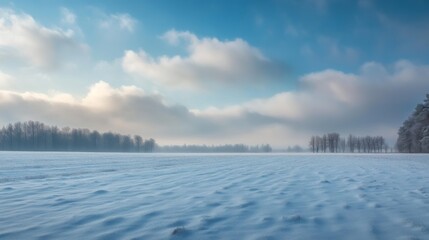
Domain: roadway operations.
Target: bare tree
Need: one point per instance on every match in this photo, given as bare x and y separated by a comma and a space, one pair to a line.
36, 136
333, 142
343, 145
313, 144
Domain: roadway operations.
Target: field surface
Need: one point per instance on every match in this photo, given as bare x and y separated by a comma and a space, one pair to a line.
213, 196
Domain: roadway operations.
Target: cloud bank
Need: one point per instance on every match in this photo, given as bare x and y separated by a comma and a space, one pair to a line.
374, 101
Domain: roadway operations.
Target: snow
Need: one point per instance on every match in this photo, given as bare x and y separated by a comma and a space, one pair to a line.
213, 196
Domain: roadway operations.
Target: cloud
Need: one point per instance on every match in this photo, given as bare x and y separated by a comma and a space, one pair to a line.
375, 100
130, 110
336, 51
407, 35
293, 31
173, 37
126, 109
122, 21
68, 16
5, 79
21, 37
210, 62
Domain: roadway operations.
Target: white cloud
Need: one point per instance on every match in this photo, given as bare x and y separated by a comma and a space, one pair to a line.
173, 37
122, 21
102, 96
210, 62
21, 37
5, 79
68, 16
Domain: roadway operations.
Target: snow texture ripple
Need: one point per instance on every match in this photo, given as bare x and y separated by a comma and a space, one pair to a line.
213, 196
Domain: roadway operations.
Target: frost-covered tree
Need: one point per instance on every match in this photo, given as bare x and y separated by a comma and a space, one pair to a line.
413, 135
425, 139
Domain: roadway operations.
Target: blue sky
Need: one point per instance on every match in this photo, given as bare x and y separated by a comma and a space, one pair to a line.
247, 71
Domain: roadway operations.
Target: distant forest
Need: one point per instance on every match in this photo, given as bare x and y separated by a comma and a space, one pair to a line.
334, 143
36, 136
413, 136
229, 148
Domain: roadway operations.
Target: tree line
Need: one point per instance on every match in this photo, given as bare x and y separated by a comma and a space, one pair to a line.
228, 148
334, 143
413, 135
36, 136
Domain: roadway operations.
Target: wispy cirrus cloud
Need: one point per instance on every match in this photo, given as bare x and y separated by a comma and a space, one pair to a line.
408, 35
335, 50
294, 31
67, 16
123, 21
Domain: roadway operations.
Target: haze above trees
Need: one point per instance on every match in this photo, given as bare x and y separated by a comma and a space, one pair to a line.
227, 148
413, 137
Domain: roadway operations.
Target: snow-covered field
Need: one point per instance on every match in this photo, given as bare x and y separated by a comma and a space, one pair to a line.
218, 196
